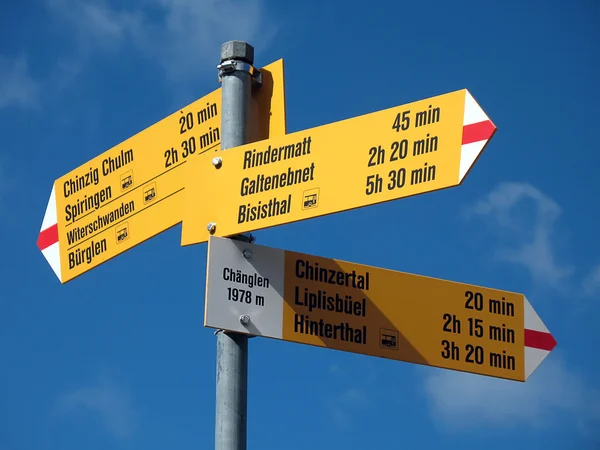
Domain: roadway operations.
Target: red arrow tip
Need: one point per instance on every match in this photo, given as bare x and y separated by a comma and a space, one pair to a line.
479, 131
539, 340
48, 237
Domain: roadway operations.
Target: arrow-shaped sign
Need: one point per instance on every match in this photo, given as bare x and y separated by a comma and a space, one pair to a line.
134, 191
398, 152
307, 299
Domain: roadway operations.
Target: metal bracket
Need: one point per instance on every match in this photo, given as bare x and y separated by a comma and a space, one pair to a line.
248, 238
227, 67
249, 336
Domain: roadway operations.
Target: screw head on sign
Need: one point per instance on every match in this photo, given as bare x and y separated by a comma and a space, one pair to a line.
217, 161
211, 227
247, 253
245, 319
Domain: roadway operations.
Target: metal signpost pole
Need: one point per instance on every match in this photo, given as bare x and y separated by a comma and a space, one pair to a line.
236, 72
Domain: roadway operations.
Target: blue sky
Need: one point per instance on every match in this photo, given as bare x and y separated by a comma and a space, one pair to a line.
119, 359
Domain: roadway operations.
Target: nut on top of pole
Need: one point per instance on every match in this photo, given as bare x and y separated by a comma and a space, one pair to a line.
238, 56
237, 50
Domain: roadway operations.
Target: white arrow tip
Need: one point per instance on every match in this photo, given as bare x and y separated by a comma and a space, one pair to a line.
538, 340
47, 240
478, 129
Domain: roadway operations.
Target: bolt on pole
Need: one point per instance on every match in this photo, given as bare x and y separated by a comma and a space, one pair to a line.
236, 72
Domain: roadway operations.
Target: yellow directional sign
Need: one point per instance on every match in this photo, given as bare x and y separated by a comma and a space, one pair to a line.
411, 149
324, 302
134, 190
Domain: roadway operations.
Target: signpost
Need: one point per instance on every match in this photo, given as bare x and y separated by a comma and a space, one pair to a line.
398, 152
324, 302
174, 172
134, 191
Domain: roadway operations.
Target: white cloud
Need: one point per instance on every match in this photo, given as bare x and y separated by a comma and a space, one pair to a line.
552, 395
345, 404
94, 25
182, 36
17, 87
356, 396
109, 401
529, 217
195, 29
591, 283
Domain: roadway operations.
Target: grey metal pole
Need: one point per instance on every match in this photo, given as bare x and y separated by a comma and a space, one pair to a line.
236, 71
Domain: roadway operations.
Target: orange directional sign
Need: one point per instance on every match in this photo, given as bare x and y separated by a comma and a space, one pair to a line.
307, 299
134, 190
398, 152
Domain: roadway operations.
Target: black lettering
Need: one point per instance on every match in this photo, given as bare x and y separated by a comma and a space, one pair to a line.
399, 150
374, 184
275, 207
402, 121
475, 327
111, 164
188, 146
207, 113
73, 185
427, 117
87, 254
254, 158
450, 350
474, 300
299, 268
502, 361
426, 145
342, 331
210, 138
502, 307
397, 179
312, 271
261, 183
502, 334
474, 354
422, 175
451, 323
93, 202
171, 157
101, 222
376, 156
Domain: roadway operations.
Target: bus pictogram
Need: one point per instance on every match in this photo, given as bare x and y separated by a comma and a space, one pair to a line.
126, 180
122, 232
310, 198
388, 339
149, 192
